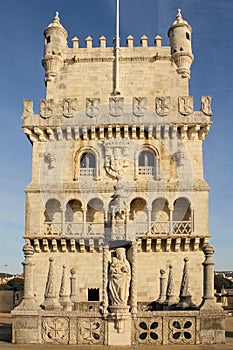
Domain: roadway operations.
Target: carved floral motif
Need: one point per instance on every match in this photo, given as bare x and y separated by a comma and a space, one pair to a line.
182, 330
148, 331
90, 331
55, 330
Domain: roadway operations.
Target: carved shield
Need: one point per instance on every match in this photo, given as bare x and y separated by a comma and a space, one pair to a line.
162, 105
185, 105
116, 153
46, 108
92, 107
206, 105
116, 106
139, 106
69, 107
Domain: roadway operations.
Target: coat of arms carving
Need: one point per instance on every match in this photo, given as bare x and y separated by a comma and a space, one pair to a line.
185, 104
116, 157
46, 108
116, 106
69, 107
162, 105
139, 106
92, 107
206, 105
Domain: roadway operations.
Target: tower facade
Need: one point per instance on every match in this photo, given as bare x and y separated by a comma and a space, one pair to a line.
117, 208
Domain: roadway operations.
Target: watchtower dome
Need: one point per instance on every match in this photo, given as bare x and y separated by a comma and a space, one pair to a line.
181, 45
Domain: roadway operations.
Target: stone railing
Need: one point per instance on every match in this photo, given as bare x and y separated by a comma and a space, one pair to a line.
92, 229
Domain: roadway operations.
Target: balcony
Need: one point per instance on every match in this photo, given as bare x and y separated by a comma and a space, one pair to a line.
92, 229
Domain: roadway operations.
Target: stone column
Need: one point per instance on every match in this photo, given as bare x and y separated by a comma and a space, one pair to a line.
209, 300
134, 278
63, 221
170, 296
28, 301
64, 294
170, 220
149, 219
105, 279
50, 297
73, 277
162, 294
192, 220
84, 221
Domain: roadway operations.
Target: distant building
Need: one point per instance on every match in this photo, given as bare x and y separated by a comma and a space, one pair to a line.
117, 208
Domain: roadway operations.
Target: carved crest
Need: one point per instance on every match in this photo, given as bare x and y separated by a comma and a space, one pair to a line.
116, 106
185, 105
162, 105
92, 107
206, 105
69, 107
116, 156
27, 108
46, 108
139, 106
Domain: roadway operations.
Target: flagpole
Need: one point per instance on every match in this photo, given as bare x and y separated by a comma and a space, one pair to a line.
117, 48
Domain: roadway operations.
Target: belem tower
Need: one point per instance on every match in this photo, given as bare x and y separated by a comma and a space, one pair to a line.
117, 245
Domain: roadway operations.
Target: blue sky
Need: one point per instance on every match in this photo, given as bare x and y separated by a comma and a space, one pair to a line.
22, 23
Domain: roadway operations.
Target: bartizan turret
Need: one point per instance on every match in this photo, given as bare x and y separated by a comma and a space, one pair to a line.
181, 45
55, 41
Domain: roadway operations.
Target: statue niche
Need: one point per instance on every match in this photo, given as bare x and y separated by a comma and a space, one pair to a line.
119, 280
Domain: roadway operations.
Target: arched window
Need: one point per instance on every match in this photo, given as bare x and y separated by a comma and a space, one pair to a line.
87, 164
146, 163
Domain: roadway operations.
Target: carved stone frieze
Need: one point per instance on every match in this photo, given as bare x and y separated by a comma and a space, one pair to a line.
139, 106
46, 108
181, 330
116, 156
162, 105
116, 106
69, 107
55, 330
92, 107
148, 331
185, 105
206, 105
90, 331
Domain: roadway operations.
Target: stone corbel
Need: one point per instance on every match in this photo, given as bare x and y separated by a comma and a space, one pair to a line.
183, 131
40, 134
32, 137
203, 132
50, 132
192, 132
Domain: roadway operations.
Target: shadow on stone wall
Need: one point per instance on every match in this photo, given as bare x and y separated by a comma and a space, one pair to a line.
5, 332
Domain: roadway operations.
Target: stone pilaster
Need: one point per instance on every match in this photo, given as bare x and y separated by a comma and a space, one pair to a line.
134, 278
105, 280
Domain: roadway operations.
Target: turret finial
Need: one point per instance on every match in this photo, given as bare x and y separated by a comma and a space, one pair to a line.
179, 15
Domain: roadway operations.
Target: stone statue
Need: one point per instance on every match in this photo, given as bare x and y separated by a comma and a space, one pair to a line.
119, 278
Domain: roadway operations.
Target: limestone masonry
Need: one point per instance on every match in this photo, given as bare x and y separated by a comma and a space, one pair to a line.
117, 245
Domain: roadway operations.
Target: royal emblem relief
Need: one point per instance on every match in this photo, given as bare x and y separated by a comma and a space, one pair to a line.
46, 108
162, 105
116, 106
69, 107
116, 157
139, 106
92, 107
185, 105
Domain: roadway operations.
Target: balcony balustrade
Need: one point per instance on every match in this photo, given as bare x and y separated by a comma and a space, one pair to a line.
92, 229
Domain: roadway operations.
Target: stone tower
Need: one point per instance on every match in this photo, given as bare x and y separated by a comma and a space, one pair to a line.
117, 208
